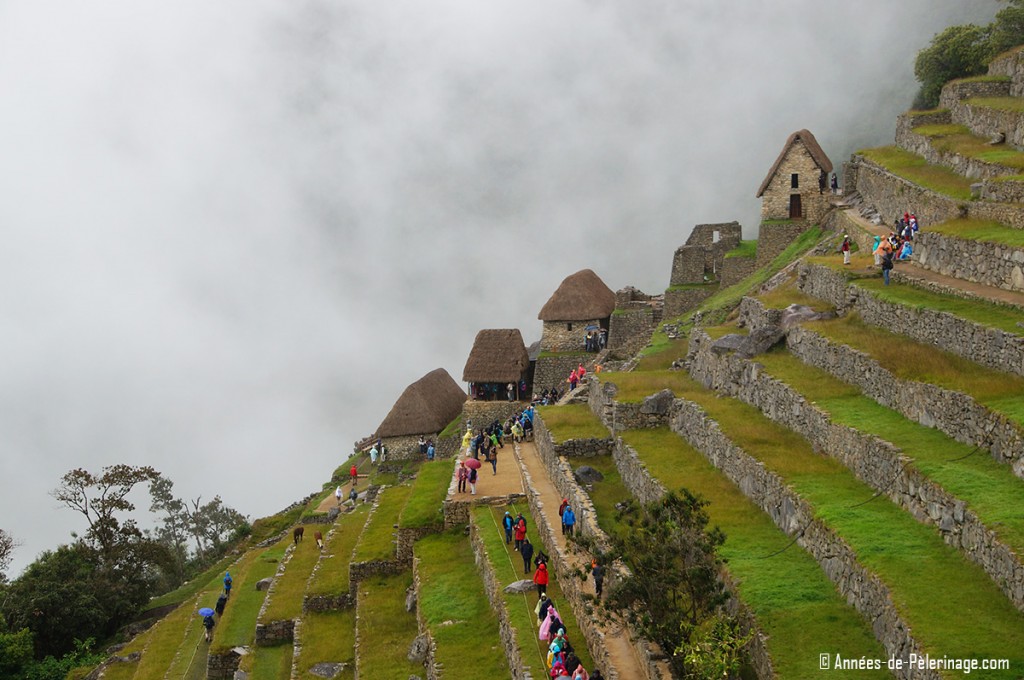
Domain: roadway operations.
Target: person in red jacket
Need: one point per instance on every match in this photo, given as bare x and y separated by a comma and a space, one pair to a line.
540, 578
520, 531
354, 473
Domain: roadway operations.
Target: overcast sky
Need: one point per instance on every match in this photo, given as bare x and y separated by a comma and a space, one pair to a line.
235, 231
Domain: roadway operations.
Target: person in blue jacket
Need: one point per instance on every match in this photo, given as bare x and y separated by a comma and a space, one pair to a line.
569, 520
227, 583
506, 522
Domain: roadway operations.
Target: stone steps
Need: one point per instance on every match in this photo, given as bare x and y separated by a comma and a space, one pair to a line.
967, 499
867, 548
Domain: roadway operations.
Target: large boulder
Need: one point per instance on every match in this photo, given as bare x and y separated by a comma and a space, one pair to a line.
264, 583
586, 475
728, 343
327, 670
518, 587
418, 649
796, 314
760, 341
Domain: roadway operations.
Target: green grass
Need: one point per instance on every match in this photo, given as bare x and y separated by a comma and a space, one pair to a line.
189, 589
385, 629
606, 493
269, 663
989, 488
941, 130
958, 139
982, 79
788, 294
917, 170
377, 541
1003, 317
328, 637
744, 249
452, 429
163, 641
121, 671
692, 286
794, 602
189, 659
332, 576
951, 604
910, 360
508, 566
455, 608
237, 627
635, 386
290, 586
572, 421
999, 103
981, 230
429, 490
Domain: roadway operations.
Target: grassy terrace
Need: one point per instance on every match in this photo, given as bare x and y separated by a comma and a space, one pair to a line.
237, 627
429, 489
332, 576
385, 629
951, 605
990, 489
909, 360
508, 566
377, 541
328, 636
981, 230
795, 603
268, 663
290, 586
744, 249
788, 294
197, 584
959, 140
636, 385
999, 103
572, 421
455, 608
917, 170
606, 493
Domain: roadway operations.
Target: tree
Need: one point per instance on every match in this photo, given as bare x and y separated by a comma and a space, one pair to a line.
213, 523
957, 52
102, 499
1008, 28
173, 532
674, 591
7, 546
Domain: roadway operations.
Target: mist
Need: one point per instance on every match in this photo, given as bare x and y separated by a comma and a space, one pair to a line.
233, 232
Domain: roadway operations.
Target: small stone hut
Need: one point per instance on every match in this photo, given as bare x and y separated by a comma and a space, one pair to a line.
425, 408
791, 190
498, 359
581, 301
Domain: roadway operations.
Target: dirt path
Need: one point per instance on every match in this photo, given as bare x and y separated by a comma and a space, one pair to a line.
914, 271
622, 654
506, 481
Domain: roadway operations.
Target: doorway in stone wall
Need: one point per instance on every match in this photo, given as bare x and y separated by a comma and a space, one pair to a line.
795, 210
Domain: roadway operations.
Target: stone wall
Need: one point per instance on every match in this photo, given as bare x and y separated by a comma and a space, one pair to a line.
875, 462
735, 269
1010, 64
406, 447
992, 264
483, 413
646, 489
558, 337
269, 633
679, 300
795, 517
552, 371
630, 330
990, 347
909, 140
507, 633
937, 117
954, 413
687, 265
456, 511
775, 199
773, 238
892, 196
434, 671
585, 448
652, 412
223, 666
990, 123
956, 90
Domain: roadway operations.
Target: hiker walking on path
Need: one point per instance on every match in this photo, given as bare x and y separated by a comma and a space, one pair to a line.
568, 520
337, 494
430, 449
354, 474
493, 460
887, 265
846, 249
462, 475
374, 453
520, 530
221, 601
208, 624
507, 523
472, 481
526, 550
227, 583
540, 579
597, 571
561, 513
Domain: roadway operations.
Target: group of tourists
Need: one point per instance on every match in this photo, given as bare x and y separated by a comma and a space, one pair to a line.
378, 452
897, 246
576, 377
427, 448
548, 397
595, 340
222, 601
494, 391
824, 181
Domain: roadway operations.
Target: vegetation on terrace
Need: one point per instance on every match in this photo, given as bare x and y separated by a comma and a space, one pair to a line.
237, 627
981, 230
332, 578
429, 489
910, 360
386, 629
952, 606
328, 636
290, 586
795, 604
377, 541
572, 421
744, 249
915, 169
991, 490
957, 139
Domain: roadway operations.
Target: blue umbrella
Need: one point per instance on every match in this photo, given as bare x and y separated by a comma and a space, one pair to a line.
206, 611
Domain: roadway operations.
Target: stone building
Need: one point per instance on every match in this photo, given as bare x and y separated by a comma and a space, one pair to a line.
498, 359
582, 300
425, 409
791, 194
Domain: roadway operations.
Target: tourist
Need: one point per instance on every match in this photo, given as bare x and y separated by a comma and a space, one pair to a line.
467, 439
208, 624
353, 496
581, 372
846, 249
520, 530
337, 494
227, 583
540, 559
493, 460
573, 379
423, 446
517, 431
221, 601
835, 184
875, 251
540, 579
508, 525
822, 181
526, 550
568, 520
906, 250
541, 610
430, 449
561, 513
472, 481
510, 389
597, 571
602, 338
354, 474
886, 265
462, 475
374, 454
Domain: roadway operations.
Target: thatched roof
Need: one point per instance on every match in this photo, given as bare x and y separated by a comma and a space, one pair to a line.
425, 407
498, 355
812, 146
581, 297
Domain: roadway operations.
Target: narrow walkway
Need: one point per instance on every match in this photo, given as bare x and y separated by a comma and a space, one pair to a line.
506, 481
624, 659
912, 270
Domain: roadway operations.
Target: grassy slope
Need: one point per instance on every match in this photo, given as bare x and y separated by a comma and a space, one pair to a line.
910, 360
795, 603
572, 421
377, 541
455, 608
332, 576
238, 625
990, 489
917, 170
268, 663
981, 230
429, 490
328, 636
952, 606
386, 629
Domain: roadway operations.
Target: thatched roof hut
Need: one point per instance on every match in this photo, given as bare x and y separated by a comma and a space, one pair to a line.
425, 407
813, 149
498, 356
580, 297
